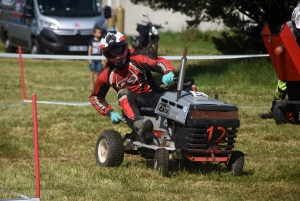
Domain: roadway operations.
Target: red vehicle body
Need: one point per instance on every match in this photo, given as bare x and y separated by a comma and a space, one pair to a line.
284, 54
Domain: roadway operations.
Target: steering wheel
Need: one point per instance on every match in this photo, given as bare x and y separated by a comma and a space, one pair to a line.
187, 84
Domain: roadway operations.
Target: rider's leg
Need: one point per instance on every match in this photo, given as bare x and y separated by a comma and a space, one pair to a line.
281, 90
128, 102
152, 98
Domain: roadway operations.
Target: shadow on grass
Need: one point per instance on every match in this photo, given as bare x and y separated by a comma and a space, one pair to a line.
176, 167
202, 168
197, 167
12, 147
8, 149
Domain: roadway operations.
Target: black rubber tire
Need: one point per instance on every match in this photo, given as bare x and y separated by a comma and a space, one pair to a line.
109, 149
161, 161
7, 45
236, 163
35, 47
280, 113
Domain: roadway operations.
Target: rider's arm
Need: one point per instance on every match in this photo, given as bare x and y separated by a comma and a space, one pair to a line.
97, 97
146, 61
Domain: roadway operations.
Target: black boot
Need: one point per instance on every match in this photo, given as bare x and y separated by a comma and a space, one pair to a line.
270, 114
142, 126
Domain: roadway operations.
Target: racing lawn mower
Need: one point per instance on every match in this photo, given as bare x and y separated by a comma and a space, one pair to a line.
284, 54
187, 126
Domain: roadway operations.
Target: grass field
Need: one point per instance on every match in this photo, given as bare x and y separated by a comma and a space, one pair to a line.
67, 136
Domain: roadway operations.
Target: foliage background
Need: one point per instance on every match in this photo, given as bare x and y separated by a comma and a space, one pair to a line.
244, 19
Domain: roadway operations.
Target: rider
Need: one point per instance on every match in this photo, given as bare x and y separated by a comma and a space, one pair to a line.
281, 89
128, 72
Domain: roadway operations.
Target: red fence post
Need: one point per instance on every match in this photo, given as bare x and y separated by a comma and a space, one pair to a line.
22, 73
36, 147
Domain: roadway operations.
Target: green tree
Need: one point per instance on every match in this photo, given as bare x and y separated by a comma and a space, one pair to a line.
244, 18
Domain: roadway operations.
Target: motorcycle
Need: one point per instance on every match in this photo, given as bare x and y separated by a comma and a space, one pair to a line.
148, 36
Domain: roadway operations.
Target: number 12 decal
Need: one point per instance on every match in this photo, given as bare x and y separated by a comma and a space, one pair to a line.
211, 131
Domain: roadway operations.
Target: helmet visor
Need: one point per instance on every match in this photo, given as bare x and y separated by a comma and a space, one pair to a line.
115, 51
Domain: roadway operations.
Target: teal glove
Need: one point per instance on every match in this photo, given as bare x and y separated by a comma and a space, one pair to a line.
115, 117
168, 78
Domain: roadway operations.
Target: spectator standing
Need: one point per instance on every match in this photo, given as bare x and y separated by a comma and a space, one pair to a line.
94, 50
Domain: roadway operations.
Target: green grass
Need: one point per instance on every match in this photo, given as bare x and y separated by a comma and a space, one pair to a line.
198, 43
67, 137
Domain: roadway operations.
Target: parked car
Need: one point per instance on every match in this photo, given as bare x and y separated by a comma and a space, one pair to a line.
50, 26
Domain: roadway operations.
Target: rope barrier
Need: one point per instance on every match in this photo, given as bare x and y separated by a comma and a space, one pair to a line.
80, 57
24, 197
11, 105
89, 104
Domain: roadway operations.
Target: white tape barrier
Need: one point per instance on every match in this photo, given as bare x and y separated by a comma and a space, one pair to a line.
11, 105
88, 103
65, 103
61, 103
23, 197
43, 56
79, 57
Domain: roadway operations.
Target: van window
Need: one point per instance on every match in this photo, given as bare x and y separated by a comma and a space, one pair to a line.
69, 8
8, 4
14, 5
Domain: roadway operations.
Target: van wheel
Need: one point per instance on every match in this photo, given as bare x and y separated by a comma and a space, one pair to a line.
35, 48
7, 45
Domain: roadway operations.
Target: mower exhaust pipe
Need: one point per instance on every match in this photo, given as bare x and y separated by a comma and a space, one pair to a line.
181, 74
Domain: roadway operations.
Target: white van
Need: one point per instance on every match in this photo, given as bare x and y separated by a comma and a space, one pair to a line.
50, 26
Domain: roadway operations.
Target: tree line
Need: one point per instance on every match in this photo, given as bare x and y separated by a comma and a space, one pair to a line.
245, 19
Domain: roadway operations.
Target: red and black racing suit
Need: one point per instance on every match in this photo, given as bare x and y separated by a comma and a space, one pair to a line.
131, 82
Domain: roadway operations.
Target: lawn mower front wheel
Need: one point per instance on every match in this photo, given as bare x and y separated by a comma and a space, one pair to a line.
161, 161
109, 149
236, 163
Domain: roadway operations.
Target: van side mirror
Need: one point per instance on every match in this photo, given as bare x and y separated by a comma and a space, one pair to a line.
107, 12
28, 11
